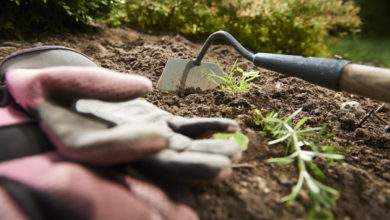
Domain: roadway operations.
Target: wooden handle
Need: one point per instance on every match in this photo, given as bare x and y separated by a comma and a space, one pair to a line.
367, 81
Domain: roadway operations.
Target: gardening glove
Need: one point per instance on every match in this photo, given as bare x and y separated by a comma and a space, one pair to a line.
188, 157
49, 93
46, 187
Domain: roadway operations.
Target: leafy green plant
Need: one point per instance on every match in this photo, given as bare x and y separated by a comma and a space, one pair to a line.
290, 26
303, 146
236, 80
241, 139
27, 15
375, 15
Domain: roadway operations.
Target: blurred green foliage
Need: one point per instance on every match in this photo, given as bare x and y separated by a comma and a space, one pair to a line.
366, 50
35, 15
375, 15
290, 26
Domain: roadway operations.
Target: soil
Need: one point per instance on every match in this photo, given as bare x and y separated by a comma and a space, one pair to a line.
254, 191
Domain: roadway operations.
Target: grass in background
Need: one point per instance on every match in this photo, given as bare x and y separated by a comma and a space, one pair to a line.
374, 51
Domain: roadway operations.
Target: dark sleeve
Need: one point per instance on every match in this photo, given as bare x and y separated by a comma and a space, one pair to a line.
22, 140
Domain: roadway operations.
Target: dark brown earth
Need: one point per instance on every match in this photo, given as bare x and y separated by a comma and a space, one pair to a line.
254, 191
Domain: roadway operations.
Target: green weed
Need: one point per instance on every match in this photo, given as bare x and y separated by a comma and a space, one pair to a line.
235, 81
302, 146
241, 139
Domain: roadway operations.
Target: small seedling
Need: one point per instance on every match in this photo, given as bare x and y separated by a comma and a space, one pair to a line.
235, 81
241, 139
303, 146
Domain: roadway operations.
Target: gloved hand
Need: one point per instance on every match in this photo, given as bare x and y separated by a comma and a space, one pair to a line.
187, 156
46, 187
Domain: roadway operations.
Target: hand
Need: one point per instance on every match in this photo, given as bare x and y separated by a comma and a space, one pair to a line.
46, 187
187, 156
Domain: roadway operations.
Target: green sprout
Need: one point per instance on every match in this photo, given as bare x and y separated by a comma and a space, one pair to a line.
303, 146
235, 81
241, 139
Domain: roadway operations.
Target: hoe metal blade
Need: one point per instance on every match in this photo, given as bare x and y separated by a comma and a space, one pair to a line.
183, 73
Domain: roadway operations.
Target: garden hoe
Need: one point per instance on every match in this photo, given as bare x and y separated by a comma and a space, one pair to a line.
335, 74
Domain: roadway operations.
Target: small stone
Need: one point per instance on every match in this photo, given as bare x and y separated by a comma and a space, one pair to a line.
278, 86
387, 129
338, 95
243, 183
351, 105
262, 184
38, 44
386, 176
283, 179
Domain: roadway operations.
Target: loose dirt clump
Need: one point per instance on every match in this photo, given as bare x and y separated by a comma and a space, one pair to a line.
256, 187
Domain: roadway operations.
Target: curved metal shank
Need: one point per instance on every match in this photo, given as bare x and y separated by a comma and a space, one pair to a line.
222, 35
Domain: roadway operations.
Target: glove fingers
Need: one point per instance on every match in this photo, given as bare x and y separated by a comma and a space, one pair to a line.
202, 127
134, 111
156, 199
30, 87
83, 139
223, 147
180, 143
116, 145
186, 166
